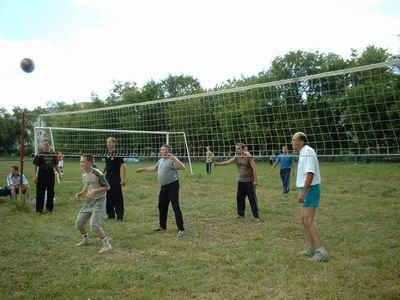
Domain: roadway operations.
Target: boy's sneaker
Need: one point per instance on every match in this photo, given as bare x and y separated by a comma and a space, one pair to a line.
85, 241
181, 233
319, 256
105, 248
307, 252
258, 220
239, 217
106, 245
158, 228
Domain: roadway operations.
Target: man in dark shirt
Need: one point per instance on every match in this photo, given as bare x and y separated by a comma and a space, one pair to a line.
44, 164
115, 171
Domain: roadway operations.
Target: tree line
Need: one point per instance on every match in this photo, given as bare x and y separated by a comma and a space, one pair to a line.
291, 65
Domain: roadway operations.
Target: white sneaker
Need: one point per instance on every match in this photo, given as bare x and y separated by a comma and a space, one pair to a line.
159, 228
106, 247
258, 220
307, 252
85, 241
181, 233
319, 256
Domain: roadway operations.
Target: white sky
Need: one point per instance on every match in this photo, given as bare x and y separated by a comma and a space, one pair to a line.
212, 40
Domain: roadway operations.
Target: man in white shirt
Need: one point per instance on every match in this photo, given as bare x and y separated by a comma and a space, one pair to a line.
308, 185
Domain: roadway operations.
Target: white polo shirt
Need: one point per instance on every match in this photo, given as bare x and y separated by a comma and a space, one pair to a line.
308, 162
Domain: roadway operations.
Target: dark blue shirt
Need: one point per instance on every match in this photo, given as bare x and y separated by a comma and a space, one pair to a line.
285, 160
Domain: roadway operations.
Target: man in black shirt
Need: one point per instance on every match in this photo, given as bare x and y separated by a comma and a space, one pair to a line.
44, 164
115, 171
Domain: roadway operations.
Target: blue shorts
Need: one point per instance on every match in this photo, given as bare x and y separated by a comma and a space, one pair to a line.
312, 197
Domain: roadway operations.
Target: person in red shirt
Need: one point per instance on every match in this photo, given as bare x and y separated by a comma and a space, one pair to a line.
60, 157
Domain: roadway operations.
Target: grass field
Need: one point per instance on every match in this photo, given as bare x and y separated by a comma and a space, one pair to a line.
220, 257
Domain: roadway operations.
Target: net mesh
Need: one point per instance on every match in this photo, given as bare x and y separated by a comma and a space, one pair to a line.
345, 112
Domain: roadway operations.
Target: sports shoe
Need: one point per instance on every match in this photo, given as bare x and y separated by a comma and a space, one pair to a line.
240, 217
319, 256
307, 252
158, 228
181, 233
105, 248
85, 241
258, 220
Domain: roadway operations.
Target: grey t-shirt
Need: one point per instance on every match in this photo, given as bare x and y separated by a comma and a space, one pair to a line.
167, 171
93, 180
244, 168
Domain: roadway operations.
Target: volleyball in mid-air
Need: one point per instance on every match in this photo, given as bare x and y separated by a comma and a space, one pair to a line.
27, 65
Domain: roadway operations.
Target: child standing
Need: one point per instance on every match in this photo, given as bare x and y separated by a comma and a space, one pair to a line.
93, 207
209, 159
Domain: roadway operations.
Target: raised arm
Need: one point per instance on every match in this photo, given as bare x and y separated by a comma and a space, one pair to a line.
224, 163
179, 165
148, 169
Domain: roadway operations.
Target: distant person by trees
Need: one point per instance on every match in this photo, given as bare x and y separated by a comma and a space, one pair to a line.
286, 161
209, 159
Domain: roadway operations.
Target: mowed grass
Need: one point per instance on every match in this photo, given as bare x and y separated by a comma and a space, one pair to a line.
220, 257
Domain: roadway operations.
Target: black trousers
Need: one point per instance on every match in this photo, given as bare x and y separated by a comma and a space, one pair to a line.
115, 199
170, 193
45, 182
246, 189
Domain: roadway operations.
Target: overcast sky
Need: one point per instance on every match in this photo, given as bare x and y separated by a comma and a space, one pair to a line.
80, 46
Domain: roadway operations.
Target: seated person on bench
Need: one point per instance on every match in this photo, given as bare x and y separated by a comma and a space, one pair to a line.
13, 184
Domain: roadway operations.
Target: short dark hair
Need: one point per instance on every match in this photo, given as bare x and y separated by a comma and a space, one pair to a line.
167, 146
88, 157
302, 137
46, 140
15, 168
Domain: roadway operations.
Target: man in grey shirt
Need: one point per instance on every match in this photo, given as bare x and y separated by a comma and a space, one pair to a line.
167, 168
